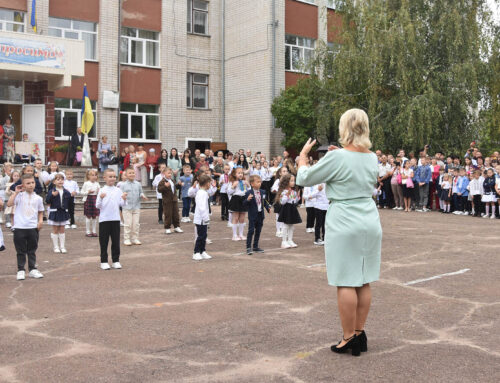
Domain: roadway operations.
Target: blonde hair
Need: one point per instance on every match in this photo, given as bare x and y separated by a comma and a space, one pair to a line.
354, 129
89, 172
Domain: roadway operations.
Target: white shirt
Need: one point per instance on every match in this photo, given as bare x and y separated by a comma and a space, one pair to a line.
27, 207
223, 184
156, 182
71, 186
310, 195
193, 190
266, 174
258, 200
237, 190
87, 187
321, 202
476, 186
201, 212
110, 205
383, 169
276, 186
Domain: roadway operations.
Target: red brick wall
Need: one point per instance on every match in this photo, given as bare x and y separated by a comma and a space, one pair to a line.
142, 14
334, 27
87, 10
301, 19
291, 78
18, 5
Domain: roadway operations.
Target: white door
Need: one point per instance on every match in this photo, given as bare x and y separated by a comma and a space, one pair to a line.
34, 125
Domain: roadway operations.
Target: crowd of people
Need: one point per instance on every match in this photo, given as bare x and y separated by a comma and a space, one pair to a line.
244, 184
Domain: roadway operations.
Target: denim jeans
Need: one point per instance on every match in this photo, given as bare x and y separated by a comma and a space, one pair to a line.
186, 204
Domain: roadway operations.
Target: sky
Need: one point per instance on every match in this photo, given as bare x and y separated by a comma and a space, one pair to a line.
495, 6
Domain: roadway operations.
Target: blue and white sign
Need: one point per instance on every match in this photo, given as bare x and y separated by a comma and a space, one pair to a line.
28, 52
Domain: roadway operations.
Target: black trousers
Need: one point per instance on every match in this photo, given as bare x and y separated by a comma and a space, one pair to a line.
478, 205
26, 243
224, 208
386, 196
71, 210
254, 230
311, 216
319, 229
160, 210
201, 239
266, 185
109, 229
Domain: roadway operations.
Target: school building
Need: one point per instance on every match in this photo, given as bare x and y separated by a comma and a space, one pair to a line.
165, 73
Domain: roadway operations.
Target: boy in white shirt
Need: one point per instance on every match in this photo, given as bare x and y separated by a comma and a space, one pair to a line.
159, 196
109, 201
27, 225
71, 186
202, 218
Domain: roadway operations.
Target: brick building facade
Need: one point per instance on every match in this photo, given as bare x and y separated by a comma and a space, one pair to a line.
180, 72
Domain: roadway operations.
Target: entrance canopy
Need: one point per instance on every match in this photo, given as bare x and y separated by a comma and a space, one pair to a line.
34, 57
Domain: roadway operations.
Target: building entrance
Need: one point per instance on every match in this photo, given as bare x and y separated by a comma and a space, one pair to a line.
15, 110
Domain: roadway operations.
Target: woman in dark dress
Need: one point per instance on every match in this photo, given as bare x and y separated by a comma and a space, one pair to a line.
187, 160
163, 159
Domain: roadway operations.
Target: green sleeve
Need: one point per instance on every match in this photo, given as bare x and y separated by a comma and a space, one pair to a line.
324, 171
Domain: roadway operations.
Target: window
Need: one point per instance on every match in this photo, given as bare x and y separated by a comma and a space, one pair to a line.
335, 4
308, 1
78, 30
139, 122
197, 17
197, 91
334, 48
299, 52
11, 21
11, 91
68, 117
139, 47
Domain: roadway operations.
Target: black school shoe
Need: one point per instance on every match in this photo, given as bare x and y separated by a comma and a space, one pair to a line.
2, 248
258, 250
249, 251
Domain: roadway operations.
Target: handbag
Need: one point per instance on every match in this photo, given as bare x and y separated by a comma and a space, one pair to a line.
399, 179
409, 183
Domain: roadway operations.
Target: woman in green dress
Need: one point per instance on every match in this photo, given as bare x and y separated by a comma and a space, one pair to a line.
353, 231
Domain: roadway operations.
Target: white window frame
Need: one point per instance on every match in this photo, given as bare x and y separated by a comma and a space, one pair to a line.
143, 115
79, 32
312, 2
78, 119
193, 9
191, 86
22, 24
302, 50
144, 42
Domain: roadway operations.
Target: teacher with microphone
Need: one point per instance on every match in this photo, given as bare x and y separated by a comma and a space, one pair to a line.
353, 234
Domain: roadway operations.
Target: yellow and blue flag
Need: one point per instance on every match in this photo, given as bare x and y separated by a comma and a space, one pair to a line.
33, 14
87, 115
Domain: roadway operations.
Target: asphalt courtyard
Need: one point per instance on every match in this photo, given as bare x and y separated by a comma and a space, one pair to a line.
263, 318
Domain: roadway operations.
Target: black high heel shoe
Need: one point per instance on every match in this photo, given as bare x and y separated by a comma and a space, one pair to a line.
363, 340
352, 344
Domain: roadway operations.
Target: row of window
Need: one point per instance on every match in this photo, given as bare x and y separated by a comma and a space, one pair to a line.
137, 121
138, 47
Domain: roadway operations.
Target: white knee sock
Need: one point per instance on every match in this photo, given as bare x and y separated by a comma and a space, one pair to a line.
487, 207
448, 208
87, 225
290, 233
278, 224
284, 236
62, 240
242, 229
230, 217
94, 225
55, 240
235, 229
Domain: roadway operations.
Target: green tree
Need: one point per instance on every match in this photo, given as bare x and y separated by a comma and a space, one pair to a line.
417, 67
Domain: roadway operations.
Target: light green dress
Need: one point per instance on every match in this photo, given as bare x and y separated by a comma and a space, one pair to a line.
353, 234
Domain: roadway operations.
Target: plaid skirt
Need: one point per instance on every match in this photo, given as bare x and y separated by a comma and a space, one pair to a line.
89, 208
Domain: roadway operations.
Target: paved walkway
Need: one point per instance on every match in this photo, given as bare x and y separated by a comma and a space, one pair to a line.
262, 318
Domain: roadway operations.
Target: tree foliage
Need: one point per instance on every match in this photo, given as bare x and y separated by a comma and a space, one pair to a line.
419, 68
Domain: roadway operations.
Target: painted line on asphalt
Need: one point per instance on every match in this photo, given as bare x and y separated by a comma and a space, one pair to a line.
317, 265
436, 277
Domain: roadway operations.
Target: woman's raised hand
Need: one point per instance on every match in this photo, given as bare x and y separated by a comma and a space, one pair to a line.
308, 146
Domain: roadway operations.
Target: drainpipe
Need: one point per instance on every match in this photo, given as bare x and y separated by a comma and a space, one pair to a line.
273, 71
119, 74
223, 74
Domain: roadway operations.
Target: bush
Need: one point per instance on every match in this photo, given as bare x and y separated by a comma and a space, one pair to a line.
60, 148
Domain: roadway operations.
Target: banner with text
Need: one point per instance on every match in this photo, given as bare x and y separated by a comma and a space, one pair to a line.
28, 52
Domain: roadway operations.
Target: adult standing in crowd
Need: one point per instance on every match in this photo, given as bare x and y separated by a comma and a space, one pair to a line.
77, 140
384, 176
163, 159
353, 235
187, 160
9, 137
175, 164
141, 164
103, 150
151, 165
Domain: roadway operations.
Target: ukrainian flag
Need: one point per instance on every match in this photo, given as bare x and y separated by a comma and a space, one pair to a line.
87, 115
33, 14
